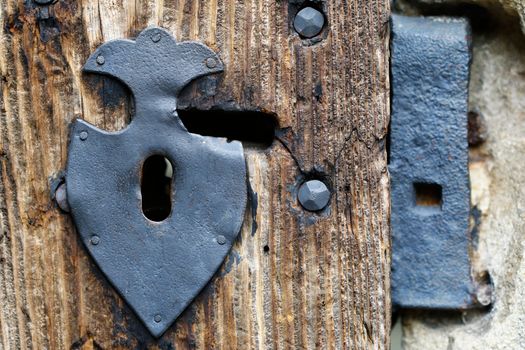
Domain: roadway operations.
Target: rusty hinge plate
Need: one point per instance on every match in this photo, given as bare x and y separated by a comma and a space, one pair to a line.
429, 164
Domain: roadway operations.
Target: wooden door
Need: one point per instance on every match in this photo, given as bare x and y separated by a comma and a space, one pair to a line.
294, 279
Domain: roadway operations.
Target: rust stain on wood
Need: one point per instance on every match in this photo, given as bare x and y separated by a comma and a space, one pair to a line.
296, 279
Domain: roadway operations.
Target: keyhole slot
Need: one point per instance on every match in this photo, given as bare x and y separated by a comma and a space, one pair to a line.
156, 187
256, 130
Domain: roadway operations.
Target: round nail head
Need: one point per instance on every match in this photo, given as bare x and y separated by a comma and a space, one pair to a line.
309, 22
101, 60
158, 318
314, 195
83, 135
61, 197
44, 2
221, 239
95, 240
155, 37
211, 62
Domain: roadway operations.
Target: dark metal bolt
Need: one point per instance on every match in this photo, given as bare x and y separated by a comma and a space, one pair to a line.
313, 195
95, 240
221, 239
211, 62
308, 22
61, 197
155, 37
83, 135
157, 318
100, 60
44, 2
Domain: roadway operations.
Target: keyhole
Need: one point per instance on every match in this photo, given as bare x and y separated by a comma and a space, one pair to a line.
157, 174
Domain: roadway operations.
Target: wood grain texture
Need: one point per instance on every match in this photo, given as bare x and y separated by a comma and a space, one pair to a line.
323, 279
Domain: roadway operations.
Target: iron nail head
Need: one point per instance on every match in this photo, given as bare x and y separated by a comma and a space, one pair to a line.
211, 62
95, 240
61, 197
309, 22
314, 195
221, 239
83, 135
157, 318
100, 60
44, 2
156, 37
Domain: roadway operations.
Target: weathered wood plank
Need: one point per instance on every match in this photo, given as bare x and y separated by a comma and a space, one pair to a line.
296, 279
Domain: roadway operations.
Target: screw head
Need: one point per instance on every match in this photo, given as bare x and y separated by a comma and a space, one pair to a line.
95, 240
100, 60
157, 318
156, 37
308, 22
221, 239
61, 197
313, 195
83, 135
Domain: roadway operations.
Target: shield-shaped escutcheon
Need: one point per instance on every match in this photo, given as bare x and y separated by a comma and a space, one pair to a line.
158, 267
